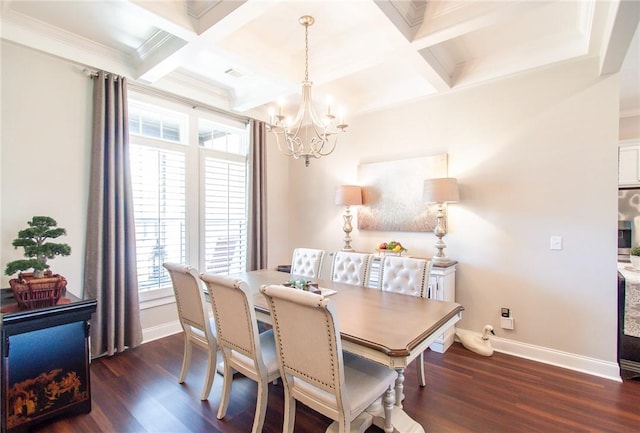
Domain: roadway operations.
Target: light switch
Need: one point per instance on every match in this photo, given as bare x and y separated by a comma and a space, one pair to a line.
506, 323
556, 242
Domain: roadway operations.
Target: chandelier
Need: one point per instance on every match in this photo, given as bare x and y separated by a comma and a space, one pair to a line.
308, 135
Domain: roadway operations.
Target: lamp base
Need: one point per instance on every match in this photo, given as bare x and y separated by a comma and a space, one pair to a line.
442, 262
347, 230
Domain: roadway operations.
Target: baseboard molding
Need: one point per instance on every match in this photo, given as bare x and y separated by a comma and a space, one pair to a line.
584, 364
160, 331
595, 367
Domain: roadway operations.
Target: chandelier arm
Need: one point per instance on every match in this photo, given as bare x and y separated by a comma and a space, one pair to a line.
286, 151
318, 141
332, 146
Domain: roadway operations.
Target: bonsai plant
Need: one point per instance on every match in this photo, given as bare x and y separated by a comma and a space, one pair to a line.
36, 248
634, 256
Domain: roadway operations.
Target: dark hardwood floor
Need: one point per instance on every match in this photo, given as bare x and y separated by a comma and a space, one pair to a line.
137, 391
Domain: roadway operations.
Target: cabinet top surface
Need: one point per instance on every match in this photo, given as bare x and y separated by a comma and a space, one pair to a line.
10, 312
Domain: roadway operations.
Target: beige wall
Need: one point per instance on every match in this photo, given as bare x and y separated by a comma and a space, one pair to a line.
536, 156
629, 127
46, 136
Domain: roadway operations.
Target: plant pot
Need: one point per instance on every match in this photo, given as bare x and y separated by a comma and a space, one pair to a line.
30, 292
635, 261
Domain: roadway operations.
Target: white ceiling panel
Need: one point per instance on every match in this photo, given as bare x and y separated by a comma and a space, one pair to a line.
245, 55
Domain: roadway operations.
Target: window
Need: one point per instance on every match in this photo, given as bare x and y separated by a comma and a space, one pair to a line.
189, 191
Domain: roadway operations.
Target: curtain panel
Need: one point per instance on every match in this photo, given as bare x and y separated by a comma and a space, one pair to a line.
258, 197
110, 274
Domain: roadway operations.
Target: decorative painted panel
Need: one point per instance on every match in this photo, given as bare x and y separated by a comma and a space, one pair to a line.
392, 194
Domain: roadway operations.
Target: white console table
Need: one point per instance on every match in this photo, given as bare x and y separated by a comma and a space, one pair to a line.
442, 287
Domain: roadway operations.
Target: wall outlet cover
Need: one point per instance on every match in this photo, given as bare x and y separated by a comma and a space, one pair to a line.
506, 322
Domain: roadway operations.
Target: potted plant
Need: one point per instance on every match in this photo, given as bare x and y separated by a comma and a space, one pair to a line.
303, 284
39, 288
634, 256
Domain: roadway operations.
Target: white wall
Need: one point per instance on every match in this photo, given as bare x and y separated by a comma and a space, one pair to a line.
535, 155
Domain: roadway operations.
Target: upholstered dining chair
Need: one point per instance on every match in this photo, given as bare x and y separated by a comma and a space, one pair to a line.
307, 262
317, 373
407, 276
198, 327
350, 267
243, 348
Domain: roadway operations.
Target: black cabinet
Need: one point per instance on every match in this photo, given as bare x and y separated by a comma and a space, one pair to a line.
45, 361
628, 345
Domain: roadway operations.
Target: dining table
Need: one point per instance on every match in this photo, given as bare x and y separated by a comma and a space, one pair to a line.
385, 327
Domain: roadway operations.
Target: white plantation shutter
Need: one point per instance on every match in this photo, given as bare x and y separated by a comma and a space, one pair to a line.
189, 179
158, 182
225, 215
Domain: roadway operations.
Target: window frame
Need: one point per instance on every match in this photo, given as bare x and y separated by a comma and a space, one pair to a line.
194, 161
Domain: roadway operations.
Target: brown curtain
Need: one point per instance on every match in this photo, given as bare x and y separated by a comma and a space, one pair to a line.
110, 274
258, 197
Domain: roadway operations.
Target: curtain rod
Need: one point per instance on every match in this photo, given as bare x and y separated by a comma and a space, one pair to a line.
142, 88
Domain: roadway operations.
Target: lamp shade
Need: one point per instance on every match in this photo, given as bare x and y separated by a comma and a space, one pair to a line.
348, 195
441, 190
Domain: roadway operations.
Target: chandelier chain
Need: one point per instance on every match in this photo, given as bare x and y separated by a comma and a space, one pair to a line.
306, 53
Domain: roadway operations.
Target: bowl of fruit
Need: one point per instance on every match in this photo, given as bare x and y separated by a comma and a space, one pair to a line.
392, 247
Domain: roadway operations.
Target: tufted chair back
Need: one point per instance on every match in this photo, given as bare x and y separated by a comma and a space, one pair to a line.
350, 268
408, 276
405, 275
243, 348
314, 369
306, 262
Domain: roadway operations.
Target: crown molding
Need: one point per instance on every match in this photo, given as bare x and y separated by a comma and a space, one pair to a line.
198, 9
412, 12
27, 31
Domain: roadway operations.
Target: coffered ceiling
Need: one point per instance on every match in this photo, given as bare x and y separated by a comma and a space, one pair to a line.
367, 55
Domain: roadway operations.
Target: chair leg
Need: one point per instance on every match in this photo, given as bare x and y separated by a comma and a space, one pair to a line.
422, 381
261, 406
343, 426
226, 390
211, 373
186, 359
289, 412
387, 401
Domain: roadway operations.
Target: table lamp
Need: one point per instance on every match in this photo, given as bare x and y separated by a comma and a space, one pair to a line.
440, 191
348, 195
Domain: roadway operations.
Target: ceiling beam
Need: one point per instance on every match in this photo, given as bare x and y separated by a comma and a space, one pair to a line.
444, 21
210, 24
621, 25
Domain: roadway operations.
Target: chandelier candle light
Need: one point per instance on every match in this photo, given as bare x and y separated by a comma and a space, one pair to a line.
348, 195
440, 191
324, 135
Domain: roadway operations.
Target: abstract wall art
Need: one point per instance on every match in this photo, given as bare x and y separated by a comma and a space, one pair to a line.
392, 194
